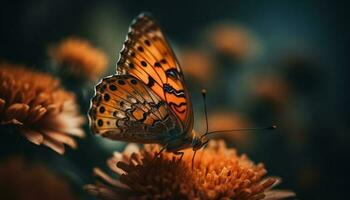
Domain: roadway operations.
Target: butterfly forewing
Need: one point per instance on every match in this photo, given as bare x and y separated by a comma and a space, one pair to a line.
147, 56
124, 108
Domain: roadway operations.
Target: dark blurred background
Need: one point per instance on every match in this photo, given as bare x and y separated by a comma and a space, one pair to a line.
288, 67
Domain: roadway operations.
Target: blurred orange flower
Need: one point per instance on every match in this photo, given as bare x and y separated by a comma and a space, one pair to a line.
79, 58
23, 181
272, 88
231, 40
197, 64
38, 107
219, 173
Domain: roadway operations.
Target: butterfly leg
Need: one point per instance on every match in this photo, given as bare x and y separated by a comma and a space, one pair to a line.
161, 150
158, 154
194, 153
181, 155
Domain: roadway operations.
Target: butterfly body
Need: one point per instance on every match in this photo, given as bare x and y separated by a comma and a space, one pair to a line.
146, 101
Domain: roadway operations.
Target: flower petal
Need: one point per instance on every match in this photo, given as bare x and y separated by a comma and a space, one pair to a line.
33, 136
61, 138
102, 192
2, 105
278, 194
54, 145
109, 180
16, 111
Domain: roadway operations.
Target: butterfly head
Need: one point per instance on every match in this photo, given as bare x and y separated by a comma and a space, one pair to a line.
199, 142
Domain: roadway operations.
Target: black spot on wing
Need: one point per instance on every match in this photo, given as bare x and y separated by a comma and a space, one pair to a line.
147, 43
143, 63
106, 97
113, 87
151, 81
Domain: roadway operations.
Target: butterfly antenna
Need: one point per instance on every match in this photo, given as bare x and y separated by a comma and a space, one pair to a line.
204, 92
244, 129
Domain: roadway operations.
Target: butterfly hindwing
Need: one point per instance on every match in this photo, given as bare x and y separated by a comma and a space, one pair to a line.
124, 108
147, 56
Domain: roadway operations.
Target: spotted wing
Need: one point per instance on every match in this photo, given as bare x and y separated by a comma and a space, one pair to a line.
147, 56
124, 108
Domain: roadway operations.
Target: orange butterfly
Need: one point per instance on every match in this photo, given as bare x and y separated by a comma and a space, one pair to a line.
147, 100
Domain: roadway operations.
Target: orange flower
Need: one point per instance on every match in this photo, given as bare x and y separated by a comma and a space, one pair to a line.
23, 181
232, 40
38, 107
197, 64
273, 89
78, 58
219, 173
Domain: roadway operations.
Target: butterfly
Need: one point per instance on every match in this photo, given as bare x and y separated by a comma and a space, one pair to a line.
146, 101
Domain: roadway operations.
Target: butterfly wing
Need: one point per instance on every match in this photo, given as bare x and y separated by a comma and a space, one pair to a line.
124, 108
147, 56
